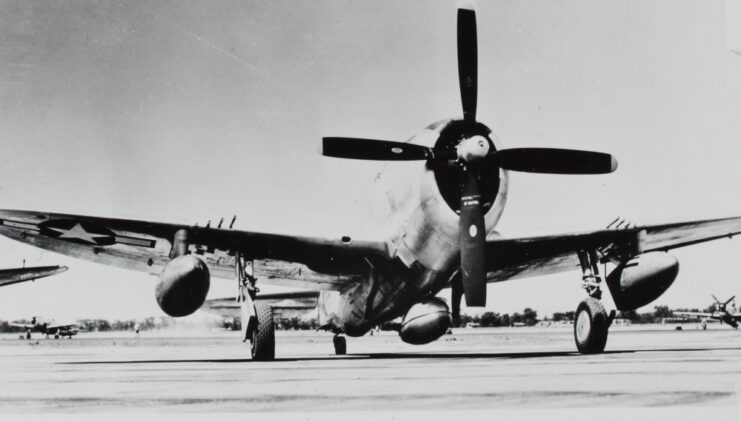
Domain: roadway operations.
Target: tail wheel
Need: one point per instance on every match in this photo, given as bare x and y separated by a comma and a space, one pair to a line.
340, 345
590, 326
263, 335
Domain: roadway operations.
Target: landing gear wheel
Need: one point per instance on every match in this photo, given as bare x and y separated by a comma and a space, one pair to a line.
262, 340
590, 326
340, 345
56, 336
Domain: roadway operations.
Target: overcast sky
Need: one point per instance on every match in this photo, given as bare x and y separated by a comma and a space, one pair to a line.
188, 111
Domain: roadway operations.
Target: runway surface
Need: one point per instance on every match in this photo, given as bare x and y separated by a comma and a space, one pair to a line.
471, 369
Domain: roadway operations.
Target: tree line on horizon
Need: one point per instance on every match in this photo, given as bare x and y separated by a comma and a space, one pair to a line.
527, 317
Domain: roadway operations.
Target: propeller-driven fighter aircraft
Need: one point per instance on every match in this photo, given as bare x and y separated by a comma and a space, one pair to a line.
48, 328
443, 213
721, 314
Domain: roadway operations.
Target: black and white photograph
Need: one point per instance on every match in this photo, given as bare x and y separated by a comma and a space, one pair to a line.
370, 210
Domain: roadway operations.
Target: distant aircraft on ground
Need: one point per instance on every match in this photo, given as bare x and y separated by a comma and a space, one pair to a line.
48, 328
721, 314
18, 275
439, 231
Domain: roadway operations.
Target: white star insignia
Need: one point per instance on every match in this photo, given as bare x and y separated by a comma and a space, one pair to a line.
78, 232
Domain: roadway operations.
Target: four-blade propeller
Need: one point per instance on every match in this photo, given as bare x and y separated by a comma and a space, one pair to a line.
473, 151
722, 305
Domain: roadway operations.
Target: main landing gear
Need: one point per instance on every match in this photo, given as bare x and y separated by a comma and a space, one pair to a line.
590, 326
257, 317
262, 339
591, 321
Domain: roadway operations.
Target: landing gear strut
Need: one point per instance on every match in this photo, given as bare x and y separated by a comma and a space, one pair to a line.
257, 317
590, 273
591, 322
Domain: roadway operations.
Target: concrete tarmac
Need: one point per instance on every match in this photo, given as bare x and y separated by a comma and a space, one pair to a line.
471, 369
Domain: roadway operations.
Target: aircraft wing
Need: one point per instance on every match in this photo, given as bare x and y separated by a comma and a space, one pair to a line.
693, 314
326, 264
509, 258
17, 275
60, 327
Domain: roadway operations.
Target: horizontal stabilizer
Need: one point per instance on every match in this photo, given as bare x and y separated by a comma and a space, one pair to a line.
19, 275
228, 306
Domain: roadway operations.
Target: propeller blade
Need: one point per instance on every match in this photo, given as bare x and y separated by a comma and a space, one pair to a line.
554, 161
472, 238
372, 149
729, 300
715, 298
467, 63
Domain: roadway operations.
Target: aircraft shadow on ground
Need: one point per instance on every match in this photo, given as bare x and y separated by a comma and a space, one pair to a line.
371, 356
351, 356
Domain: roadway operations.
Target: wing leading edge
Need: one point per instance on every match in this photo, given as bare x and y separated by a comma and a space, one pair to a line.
510, 258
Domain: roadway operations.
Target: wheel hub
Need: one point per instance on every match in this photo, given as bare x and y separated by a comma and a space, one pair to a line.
583, 326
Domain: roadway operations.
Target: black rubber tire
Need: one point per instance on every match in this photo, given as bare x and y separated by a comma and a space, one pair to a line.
594, 336
340, 345
262, 342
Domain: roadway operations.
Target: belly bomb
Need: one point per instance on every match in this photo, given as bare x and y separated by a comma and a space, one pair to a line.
425, 322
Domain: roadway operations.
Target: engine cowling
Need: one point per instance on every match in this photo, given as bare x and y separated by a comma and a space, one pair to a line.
425, 322
183, 285
642, 279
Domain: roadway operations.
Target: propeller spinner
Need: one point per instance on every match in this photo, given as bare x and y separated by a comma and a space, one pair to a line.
472, 153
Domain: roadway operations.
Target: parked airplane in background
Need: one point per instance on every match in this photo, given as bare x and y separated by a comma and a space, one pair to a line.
438, 232
48, 328
18, 275
721, 314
